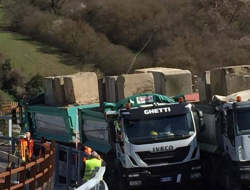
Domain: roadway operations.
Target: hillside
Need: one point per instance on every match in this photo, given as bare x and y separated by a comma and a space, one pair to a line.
191, 34
32, 57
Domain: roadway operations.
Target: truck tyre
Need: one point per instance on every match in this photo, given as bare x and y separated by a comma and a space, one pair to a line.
229, 181
119, 180
229, 185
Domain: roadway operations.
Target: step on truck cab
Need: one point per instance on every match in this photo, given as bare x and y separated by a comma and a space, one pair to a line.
147, 140
225, 143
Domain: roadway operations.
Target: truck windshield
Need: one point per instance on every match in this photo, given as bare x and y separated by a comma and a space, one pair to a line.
159, 129
243, 122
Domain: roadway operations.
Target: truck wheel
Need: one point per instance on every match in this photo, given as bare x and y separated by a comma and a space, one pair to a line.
229, 185
119, 181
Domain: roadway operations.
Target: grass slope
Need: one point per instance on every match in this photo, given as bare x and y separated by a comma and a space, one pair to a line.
32, 57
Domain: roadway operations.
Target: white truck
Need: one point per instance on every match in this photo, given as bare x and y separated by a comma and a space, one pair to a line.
225, 143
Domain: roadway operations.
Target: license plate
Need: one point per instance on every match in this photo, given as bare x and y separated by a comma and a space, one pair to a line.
165, 179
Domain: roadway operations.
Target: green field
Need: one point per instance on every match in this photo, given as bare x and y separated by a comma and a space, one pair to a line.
32, 57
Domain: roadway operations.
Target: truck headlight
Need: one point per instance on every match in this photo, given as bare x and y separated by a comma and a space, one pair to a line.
242, 156
135, 183
245, 176
195, 175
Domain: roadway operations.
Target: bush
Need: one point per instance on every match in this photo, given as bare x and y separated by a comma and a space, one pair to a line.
35, 85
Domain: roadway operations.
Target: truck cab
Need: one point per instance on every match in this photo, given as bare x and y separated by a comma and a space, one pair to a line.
155, 144
226, 139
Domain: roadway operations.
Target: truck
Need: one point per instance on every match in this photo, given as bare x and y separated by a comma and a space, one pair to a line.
225, 143
147, 140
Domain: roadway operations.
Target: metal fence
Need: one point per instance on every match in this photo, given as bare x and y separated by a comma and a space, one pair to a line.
70, 168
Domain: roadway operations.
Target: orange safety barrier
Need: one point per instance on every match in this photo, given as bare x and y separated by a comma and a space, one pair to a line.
37, 178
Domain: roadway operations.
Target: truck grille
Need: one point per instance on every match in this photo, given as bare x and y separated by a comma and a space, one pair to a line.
176, 155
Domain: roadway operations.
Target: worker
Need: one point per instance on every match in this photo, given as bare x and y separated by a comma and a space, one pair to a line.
91, 164
27, 145
45, 147
87, 151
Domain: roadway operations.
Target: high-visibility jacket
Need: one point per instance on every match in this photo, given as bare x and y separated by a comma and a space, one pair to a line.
46, 147
26, 146
90, 166
31, 147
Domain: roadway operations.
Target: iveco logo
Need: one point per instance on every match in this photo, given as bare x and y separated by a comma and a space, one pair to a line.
163, 148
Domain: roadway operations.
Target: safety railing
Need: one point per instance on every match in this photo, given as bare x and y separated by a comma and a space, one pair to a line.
12, 141
36, 174
96, 183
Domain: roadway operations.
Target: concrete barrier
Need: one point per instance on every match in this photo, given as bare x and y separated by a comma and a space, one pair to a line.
170, 81
204, 86
229, 80
128, 85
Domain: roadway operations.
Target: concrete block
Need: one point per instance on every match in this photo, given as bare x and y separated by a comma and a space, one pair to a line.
49, 91
204, 86
170, 81
149, 70
229, 80
101, 87
81, 88
110, 89
54, 91
59, 89
128, 85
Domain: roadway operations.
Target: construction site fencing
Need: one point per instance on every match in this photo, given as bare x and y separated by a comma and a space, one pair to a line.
37, 174
68, 170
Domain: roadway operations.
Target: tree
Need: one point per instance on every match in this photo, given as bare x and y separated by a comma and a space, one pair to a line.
34, 85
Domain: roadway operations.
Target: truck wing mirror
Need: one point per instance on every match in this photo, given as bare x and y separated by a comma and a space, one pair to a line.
115, 133
200, 114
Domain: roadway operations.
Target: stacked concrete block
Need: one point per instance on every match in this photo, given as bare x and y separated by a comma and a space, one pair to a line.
169, 81
54, 91
229, 80
101, 87
81, 88
204, 86
59, 88
128, 85
110, 89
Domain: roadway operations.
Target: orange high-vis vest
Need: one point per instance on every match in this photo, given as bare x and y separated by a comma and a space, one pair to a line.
24, 145
31, 145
